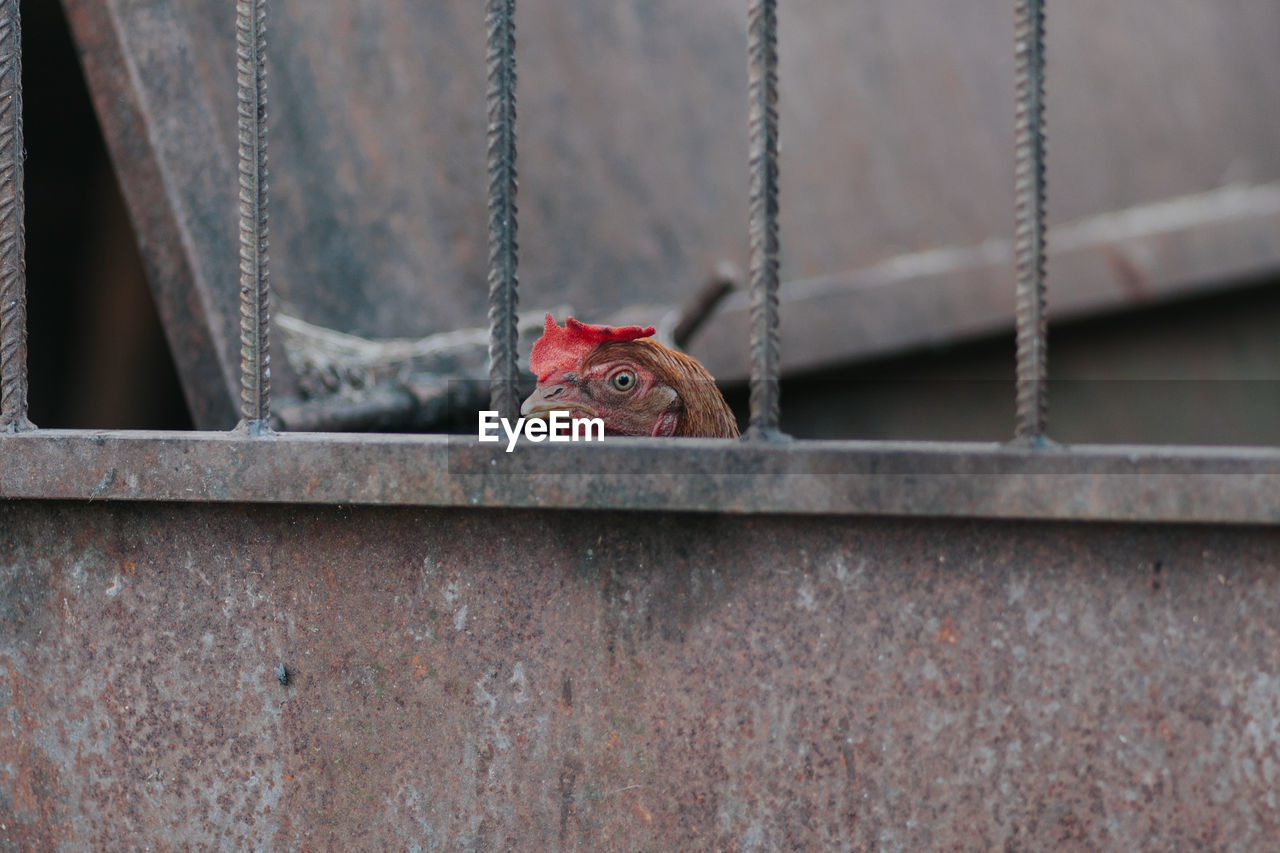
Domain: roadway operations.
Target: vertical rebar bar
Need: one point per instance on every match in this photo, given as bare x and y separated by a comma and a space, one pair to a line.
255, 298
503, 248
762, 122
13, 261
1029, 231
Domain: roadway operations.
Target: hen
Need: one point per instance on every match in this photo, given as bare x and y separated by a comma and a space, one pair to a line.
622, 376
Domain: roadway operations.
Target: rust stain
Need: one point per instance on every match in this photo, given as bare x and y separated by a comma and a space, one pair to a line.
947, 632
640, 811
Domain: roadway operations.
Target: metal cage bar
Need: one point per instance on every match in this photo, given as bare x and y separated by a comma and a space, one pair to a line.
1021, 480
503, 247
255, 296
13, 262
1031, 311
762, 123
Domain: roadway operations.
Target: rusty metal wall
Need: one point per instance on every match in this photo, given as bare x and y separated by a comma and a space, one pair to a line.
487, 679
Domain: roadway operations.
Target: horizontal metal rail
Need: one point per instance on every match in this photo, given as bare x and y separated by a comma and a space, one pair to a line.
960, 480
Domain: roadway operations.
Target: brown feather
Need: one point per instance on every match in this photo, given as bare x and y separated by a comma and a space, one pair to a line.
704, 413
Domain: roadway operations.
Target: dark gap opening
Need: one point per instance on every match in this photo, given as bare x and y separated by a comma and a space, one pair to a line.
97, 354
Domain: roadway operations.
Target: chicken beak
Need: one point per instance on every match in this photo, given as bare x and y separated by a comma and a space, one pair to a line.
545, 400
538, 404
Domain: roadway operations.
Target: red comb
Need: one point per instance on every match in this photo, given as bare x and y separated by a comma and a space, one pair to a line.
560, 350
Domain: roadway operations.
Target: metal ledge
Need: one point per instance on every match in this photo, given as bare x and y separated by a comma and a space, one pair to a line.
1094, 483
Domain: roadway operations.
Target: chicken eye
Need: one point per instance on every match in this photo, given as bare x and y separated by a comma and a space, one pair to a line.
623, 380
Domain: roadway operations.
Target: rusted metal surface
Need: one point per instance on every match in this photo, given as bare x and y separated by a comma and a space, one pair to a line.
899, 136
481, 680
1111, 483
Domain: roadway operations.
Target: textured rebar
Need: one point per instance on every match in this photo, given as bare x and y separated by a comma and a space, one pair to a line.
762, 121
503, 248
1029, 231
13, 262
255, 299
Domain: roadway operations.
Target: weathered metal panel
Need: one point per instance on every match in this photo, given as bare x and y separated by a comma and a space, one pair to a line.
1104, 483
896, 129
596, 681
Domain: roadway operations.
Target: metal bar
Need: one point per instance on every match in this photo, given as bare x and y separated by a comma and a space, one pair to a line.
724, 280
762, 122
13, 262
255, 297
1031, 312
960, 480
503, 247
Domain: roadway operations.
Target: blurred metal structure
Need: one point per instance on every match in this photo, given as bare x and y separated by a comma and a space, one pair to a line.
316, 640
898, 145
